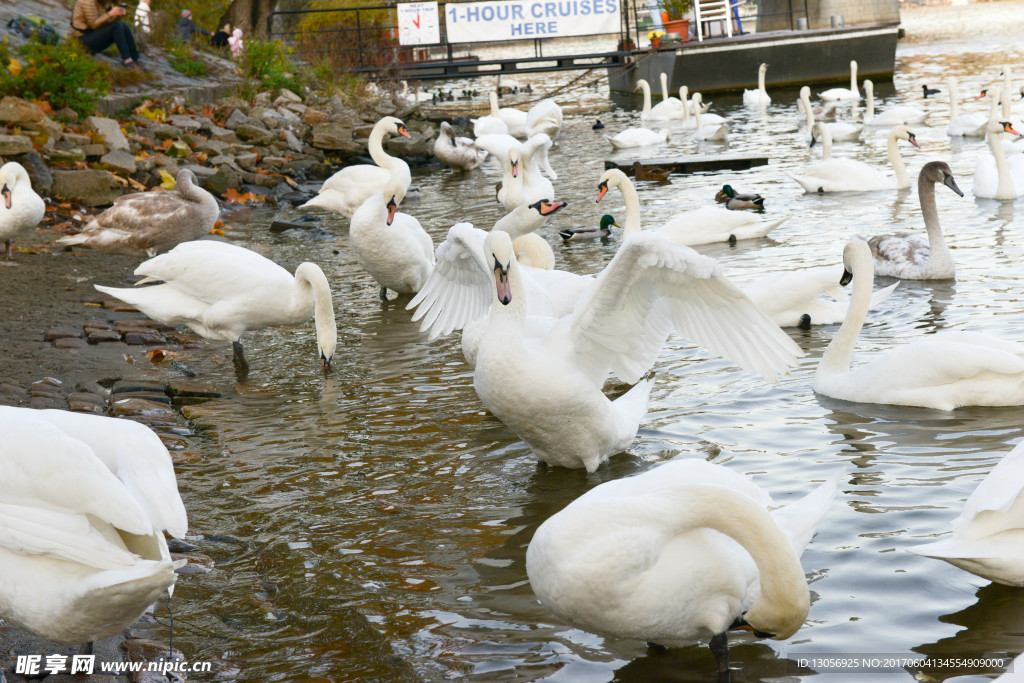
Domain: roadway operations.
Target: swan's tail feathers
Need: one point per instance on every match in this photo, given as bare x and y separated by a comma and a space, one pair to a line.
100, 239
615, 143
631, 407
771, 225
165, 304
882, 294
800, 519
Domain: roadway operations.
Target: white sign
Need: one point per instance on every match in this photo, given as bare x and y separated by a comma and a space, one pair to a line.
418, 24
474, 22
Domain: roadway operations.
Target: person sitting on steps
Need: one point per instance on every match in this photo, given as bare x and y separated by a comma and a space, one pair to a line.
97, 24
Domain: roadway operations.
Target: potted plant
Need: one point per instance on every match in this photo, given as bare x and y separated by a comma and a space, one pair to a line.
676, 17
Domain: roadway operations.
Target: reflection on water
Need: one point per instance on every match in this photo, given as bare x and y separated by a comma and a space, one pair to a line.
373, 524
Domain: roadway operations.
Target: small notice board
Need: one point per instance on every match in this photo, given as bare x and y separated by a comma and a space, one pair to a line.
418, 23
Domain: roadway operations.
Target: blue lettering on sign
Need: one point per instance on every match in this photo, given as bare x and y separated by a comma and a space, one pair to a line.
612, 5
517, 11
517, 29
598, 6
537, 11
551, 9
584, 9
473, 14
502, 11
565, 8
453, 15
487, 13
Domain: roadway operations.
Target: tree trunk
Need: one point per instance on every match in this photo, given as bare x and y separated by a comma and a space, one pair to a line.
250, 16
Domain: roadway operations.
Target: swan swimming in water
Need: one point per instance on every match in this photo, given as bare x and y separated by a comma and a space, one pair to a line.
850, 175
995, 176
987, 535
908, 256
894, 116
21, 208
86, 500
222, 290
942, 371
838, 131
457, 152
973, 125
347, 189
851, 93
150, 223
666, 110
759, 96
684, 551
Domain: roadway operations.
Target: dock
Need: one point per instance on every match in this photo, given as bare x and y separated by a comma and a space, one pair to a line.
695, 164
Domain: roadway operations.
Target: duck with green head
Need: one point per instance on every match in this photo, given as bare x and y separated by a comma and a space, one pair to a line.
588, 232
737, 202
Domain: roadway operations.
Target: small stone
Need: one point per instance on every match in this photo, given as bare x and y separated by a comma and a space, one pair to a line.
76, 139
90, 187
223, 134
154, 396
293, 142
70, 343
139, 407
187, 392
82, 406
119, 306
44, 403
14, 144
99, 336
186, 122
65, 156
247, 161
213, 147
38, 172
224, 179
55, 333
119, 161
288, 95
179, 150
87, 397
67, 114
110, 130
46, 391
95, 150
335, 135
177, 545
98, 323
256, 135
144, 338
236, 119
129, 386
313, 117
165, 132
14, 390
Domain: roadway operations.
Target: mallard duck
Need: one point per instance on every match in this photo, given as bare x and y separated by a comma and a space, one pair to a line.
589, 232
650, 172
737, 202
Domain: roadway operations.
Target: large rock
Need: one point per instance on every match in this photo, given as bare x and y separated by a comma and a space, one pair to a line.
334, 134
119, 161
419, 144
224, 178
313, 117
257, 135
14, 144
110, 130
236, 119
90, 187
38, 172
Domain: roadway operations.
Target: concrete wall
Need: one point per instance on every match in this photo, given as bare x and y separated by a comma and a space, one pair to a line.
781, 15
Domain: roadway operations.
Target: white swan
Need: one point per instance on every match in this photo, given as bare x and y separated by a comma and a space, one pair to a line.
684, 551
522, 181
684, 96
513, 118
713, 131
638, 137
908, 256
544, 117
759, 96
838, 132
974, 125
1009, 107
892, 116
797, 299
392, 247
988, 536
943, 371
221, 290
706, 225
86, 500
458, 153
995, 177
548, 390
347, 189
697, 106
850, 175
673, 102
489, 125
662, 111
851, 93
148, 223
22, 208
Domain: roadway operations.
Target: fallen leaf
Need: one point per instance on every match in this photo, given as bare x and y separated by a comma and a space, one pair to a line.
216, 231
233, 197
166, 180
14, 67
65, 205
218, 224
53, 209
160, 355
136, 185
93, 305
166, 144
44, 106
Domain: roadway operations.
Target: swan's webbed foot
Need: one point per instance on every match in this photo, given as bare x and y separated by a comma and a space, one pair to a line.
720, 648
805, 322
241, 365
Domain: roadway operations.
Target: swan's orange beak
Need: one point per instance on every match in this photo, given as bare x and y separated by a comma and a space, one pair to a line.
403, 131
501, 282
392, 207
547, 208
602, 190
913, 140
515, 168
1007, 127
6, 192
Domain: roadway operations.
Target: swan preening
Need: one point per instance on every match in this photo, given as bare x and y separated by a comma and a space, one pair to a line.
547, 387
21, 208
987, 535
943, 371
908, 256
459, 153
347, 189
149, 223
850, 175
86, 500
685, 551
894, 116
851, 93
222, 290
392, 247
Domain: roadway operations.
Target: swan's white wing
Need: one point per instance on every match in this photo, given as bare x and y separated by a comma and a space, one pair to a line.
776, 294
997, 504
536, 149
498, 144
459, 290
60, 535
650, 286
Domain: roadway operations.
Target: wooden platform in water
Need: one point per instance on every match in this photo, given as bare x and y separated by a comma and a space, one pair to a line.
705, 164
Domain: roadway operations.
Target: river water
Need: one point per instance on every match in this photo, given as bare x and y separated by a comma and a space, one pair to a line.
373, 524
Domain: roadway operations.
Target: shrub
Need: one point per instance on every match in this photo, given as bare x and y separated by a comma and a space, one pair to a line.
65, 75
267, 65
179, 56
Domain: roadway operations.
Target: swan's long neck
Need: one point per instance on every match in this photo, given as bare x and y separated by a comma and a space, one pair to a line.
376, 146
522, 221
939, 256
836, 358
826, 141
1005, 189
664, 87
954, 105
647, 99
1007, 89
494, 103
514, 312
853, 78
760, 83
696, 110
311, 281
684, 93
869, 92
805, 97
783, 601
902, 179
632, 202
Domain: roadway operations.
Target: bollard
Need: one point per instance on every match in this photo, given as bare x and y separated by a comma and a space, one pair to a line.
801, 23
837, 21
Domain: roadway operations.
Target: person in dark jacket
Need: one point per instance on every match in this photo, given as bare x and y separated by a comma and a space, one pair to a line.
97, 24
185, 29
